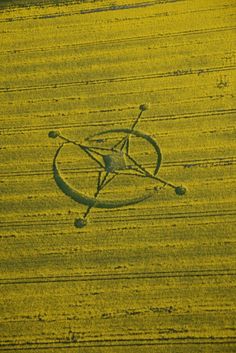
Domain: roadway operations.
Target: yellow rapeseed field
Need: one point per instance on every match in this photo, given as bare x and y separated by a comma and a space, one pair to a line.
117, 123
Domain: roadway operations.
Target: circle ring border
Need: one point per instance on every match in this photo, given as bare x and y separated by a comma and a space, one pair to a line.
77, 196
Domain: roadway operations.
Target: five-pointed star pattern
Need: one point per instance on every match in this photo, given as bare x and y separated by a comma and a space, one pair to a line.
115, 161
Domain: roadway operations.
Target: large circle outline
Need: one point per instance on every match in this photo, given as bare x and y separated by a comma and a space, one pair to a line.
81, 198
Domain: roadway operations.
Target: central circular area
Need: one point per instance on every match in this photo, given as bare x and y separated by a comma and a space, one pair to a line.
114, 161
